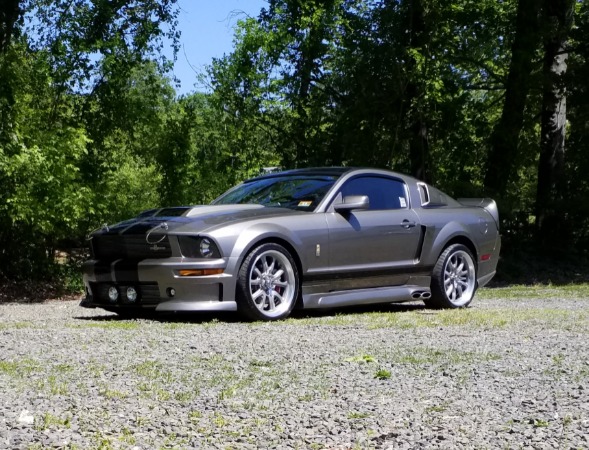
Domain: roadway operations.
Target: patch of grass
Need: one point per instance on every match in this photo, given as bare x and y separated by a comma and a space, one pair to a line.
539, 423
127, 436
362, 359
62, 368
259, 363
219, 420
226, 393
471, 317
18, 369
186, 396
153, 370
48, 420
15, 325
354, 415
39, 446
382, 374
173, 441
194, 416
437, 408
102, 442
112, 394
522, 291
141, 421
215, 362
55, 386
110, 325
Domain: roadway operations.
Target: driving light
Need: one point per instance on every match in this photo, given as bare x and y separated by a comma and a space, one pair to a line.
113, 294
131, 294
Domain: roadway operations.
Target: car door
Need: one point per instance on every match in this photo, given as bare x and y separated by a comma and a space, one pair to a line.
377, 246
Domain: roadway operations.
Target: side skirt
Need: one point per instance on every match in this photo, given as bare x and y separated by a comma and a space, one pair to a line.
390, 294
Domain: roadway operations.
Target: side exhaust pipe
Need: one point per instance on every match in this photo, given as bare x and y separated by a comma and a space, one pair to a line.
420, 295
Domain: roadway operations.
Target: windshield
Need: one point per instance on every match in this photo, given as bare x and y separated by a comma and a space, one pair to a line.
302, 193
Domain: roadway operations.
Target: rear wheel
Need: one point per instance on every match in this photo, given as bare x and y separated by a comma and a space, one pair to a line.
453, 279
268, 283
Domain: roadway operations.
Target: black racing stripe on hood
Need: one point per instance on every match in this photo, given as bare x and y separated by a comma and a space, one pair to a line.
141, 225
144, 226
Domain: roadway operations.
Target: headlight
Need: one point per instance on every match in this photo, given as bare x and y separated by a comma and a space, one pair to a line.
198, 247
206, 248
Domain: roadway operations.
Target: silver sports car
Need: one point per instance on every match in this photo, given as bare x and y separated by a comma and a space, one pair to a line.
308, 238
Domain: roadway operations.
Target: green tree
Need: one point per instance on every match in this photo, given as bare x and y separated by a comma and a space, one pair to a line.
503, 157
67, 70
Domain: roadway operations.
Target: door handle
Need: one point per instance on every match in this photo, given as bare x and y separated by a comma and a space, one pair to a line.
407, 224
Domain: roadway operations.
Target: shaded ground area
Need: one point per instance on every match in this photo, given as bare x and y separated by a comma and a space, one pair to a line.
35, 292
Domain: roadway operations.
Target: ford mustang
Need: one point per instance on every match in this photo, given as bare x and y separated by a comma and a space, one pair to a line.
304, 238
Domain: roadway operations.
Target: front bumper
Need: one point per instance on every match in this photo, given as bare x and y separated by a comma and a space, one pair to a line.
158, 285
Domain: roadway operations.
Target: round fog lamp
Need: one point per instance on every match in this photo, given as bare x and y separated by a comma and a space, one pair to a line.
113, 294
131, 294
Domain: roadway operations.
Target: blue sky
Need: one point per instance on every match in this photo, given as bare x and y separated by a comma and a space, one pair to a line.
207, 32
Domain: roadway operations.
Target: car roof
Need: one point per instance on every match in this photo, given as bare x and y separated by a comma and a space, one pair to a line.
307, 172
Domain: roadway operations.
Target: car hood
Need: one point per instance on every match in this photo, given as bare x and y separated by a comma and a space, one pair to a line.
193, 219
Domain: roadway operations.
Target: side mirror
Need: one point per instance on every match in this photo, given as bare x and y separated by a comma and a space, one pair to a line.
352, 202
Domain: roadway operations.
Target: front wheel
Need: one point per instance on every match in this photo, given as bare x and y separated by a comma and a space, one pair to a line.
454, 278
268, 283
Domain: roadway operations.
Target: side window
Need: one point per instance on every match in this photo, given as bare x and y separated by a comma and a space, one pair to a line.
384, 193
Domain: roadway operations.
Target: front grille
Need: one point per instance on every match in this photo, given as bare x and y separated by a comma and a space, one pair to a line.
111, 247
149, 293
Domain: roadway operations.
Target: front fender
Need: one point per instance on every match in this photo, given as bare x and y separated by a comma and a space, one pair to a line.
251, 236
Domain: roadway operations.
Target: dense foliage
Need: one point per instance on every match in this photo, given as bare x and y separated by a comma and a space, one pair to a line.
479, 97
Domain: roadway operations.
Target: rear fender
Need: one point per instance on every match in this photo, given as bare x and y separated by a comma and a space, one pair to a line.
451, 231
487, 204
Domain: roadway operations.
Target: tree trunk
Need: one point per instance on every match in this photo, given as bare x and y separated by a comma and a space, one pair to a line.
417, 127
10, 13
504, 151
558, 20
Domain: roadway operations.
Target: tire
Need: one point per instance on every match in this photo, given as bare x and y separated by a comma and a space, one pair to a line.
267, 284
454, 280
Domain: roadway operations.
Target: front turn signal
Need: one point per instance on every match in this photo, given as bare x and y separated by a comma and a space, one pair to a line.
199, 272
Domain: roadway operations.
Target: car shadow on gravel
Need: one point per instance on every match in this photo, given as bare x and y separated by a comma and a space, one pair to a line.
230, 317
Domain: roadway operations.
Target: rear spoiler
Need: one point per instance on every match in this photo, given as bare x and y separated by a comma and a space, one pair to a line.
487, 204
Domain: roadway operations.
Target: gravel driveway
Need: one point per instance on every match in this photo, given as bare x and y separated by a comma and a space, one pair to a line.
501, 374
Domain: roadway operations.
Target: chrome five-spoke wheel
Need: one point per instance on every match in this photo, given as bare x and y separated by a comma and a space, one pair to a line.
268, 283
